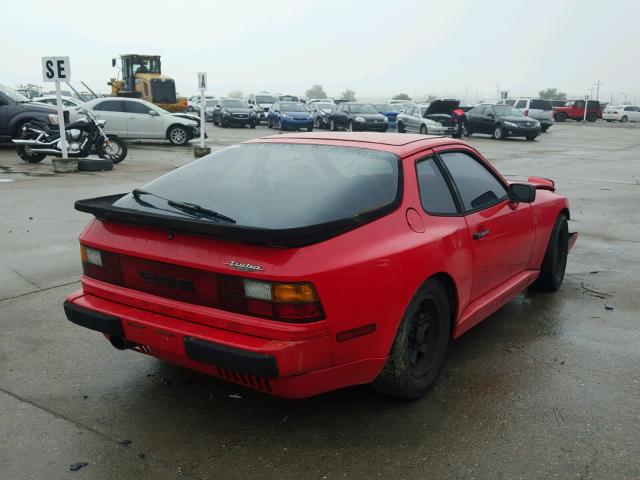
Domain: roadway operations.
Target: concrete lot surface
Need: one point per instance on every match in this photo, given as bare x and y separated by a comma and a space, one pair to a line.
546, 388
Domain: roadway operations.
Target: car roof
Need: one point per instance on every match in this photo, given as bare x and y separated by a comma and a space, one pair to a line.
401, 144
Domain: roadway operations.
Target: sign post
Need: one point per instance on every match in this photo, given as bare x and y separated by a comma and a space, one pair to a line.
58, 69
586, 107
201, 150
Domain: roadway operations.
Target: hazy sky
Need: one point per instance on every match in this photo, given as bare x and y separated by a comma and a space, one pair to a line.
377, 48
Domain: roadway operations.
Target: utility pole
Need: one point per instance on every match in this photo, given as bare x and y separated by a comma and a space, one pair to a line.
598, 85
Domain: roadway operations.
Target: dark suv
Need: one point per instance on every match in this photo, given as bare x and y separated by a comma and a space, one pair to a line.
16, 110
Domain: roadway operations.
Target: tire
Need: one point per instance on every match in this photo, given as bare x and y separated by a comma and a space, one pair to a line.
178, 135
309, 129
215, 122
279, 124
591, 117
544, 129
332, 126
561, 117
350, 126
24, 152
401, 128
115, 152
498, 133
424, 130
609, 121
189, 108
531, 139
418, 350
89, 165
252, 125
316, 124
624, 119
465, 131
554, 263
221, 122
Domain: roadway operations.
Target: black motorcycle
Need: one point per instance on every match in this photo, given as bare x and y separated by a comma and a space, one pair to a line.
84, 137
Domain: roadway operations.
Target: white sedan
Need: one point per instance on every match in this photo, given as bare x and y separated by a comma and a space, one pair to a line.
138, 119
67, 102
621, 113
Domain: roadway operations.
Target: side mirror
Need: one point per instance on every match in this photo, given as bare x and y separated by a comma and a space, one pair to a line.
522, 192
153, 113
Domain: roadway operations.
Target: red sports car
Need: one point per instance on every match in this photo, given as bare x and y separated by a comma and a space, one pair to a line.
302, 263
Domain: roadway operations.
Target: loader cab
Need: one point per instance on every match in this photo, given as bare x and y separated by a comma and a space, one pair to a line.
136, 64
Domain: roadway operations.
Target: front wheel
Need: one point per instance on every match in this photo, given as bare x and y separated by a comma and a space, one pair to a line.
350, 126
465, 131
591, 117
401, 128
252, 125
544, 128
423, 130
309, 129
418, 350
554, 263
498, 133
113, 149
178, 135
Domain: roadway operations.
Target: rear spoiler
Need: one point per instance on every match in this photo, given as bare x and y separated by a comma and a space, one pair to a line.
542, 183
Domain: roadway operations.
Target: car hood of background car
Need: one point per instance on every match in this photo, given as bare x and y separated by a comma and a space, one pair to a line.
369, 116
296, 114
41, 107
518, 119
442, 106
236, 110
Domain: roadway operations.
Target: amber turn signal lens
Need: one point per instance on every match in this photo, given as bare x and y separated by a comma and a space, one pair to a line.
294, 293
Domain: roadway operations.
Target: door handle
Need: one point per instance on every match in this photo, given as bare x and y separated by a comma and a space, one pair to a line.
479, 235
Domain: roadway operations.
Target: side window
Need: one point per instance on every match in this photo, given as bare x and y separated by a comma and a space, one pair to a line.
477, 186
109, 106
67, 103
510, 102
579, 104
521, 104
135, 107
435, 194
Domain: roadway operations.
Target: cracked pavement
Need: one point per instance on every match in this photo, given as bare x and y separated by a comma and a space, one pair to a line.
548, 387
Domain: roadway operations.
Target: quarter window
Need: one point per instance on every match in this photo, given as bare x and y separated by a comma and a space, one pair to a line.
109, 106
521, 104
435, 194
477, 186
135, 107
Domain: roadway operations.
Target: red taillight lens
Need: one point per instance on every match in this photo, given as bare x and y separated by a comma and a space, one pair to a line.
104, 266
526, 113
289, 302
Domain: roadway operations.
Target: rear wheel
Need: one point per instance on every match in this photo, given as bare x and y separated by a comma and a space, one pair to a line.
252, 125
25, 152
532, 138
418, 350
591, 117
561, 117
423, 130
401, 128
624, 119
554, 263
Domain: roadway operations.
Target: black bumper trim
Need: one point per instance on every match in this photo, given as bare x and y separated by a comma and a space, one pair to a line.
242, 361
94, 320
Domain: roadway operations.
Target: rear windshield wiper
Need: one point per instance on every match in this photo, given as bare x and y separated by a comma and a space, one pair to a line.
186, 206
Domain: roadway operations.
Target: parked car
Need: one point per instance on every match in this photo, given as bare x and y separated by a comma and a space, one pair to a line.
501, 121
300, 264
67, 102
209, 108
321, 112
233, 112
538, 108
402, 104
262, 103
354, 116
197, 103
290, 115
16, 110
138, 119
413, 120
288, 98
320, 100
390, 111
621, 113
574, 110
191, 102
441, 112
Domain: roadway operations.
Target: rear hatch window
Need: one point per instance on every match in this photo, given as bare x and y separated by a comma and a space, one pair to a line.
540, 105
281, 194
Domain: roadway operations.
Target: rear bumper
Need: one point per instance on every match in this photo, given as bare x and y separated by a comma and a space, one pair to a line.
286, 368
611, 116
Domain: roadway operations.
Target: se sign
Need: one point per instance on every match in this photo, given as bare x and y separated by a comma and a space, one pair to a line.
56, 69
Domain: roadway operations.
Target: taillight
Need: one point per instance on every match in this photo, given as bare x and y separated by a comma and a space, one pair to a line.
287, 302
104, 266
526, 113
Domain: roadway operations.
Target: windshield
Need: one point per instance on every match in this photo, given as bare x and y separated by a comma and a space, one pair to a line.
362, 108
234, 104
13, 95
145, 65
292, 107
382, 107
288, 98
507, 111
265, 99
279, 186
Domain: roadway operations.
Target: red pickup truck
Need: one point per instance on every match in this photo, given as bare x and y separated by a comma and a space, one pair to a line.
574, 110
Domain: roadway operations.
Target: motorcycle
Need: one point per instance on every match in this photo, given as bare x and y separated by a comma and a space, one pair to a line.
84, 137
